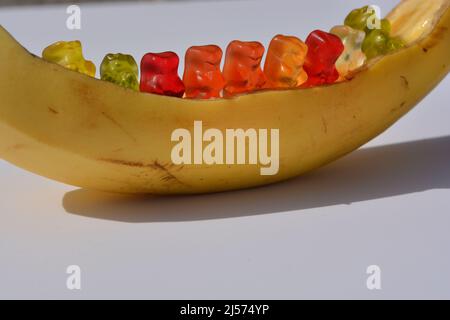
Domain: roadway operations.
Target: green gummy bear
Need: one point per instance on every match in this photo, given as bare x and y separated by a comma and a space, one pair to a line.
359, 19
375, 44
120, 69
377, 41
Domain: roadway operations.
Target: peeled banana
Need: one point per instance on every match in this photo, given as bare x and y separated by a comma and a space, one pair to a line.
93, 134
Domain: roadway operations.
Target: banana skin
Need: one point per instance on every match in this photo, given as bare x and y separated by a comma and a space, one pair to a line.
93, 134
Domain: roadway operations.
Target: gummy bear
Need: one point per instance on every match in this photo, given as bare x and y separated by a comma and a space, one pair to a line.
375, 44
378, 40
202, 76
352, 58
365, 19
69, 55
323, 51
284, 62
242, 69
120, 69
159, 74
379, 43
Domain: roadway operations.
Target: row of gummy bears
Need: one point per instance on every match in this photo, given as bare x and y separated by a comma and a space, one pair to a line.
323, 58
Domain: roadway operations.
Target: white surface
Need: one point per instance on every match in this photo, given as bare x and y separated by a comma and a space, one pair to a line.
312, 237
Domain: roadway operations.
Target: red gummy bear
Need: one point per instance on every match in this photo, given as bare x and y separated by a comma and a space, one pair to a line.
323, 51
159, 74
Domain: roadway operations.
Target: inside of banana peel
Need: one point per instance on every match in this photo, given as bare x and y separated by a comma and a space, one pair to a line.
411, 21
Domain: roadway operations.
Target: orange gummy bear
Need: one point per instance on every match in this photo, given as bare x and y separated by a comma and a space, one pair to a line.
202, 76
284, 62
242, 70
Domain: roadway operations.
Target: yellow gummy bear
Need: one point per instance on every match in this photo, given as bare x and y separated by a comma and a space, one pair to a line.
69, 55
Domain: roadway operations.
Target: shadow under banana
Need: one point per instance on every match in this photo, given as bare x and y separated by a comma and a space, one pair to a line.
367, 174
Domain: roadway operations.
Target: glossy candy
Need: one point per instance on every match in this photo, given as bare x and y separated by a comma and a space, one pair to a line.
323, 51
69, 55
284, 62
159, 74
375, 44
120, 69
202, 76
242, 69
365, 19
378, 40
352, 58
379, 43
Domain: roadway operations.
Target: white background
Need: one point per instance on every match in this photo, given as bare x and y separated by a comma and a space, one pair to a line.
311, 237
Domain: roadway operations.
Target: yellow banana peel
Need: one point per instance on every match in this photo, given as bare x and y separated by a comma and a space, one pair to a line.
93, 134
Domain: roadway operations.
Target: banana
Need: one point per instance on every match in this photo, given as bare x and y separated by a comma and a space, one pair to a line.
92, 134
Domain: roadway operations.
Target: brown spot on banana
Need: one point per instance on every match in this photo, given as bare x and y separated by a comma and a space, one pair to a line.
393, 110
168, 175
405, 82
434, 39
125, 163
325, 125
52, 110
